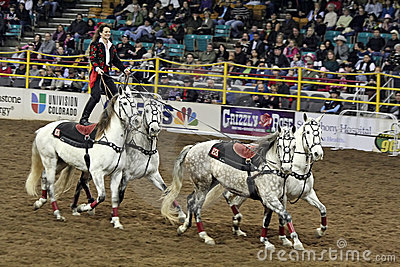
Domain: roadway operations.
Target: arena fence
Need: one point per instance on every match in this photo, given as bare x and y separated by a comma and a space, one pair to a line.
233, 78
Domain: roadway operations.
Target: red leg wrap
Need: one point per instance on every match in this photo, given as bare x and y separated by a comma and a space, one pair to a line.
291, 227
264, 232
115, 212
54, 205
44, 194
282, 230
176, 204
323, 221
94, 204
234, 209
200, 227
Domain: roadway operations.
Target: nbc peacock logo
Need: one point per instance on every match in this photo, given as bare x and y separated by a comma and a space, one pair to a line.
186, 113
38, 103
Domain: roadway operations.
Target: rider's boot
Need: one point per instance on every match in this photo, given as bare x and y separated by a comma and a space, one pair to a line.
87, 111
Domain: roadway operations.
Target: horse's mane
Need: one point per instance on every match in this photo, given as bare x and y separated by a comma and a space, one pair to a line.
265, 143
105, 118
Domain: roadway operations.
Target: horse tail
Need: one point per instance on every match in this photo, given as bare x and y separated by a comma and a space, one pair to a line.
36, 171
175, 188
64, 182
213, 195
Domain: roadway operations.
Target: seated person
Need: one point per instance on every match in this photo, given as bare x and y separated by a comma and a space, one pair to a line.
331, 106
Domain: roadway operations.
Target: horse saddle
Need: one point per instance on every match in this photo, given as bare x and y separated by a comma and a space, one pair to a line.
240, 156
75, 134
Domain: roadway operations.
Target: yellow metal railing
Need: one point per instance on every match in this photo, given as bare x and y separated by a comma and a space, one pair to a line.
195, 70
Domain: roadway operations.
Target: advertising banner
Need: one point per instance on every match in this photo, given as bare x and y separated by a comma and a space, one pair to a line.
11, 103
349, 131
189, 117
252, 121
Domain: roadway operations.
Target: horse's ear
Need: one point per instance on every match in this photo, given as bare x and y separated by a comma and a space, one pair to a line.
120, 91
293, 129
319, 118
279, 128
305, 117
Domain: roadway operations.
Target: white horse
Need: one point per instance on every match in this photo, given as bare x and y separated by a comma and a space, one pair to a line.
206, 172
142, 156
106, 157
299, 185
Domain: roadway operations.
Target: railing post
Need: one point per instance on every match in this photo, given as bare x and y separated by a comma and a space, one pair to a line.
298, 88
378, 91
28, 59
225, 83
156, 78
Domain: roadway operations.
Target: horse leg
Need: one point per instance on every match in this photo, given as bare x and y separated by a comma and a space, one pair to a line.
282, 233
235, 202
158, 181
115, 183
188, 221
98, 179
51, 168
199, 198
266, 221
274, 204
43, 199
83, 183
313, 200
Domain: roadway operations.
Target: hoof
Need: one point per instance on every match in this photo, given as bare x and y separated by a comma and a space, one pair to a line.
92, 212
116, 222
285, 242
319, 232
75, 213
181, 229
268, 245
239, 233
39, 203
298, 246
210, 241
61, 218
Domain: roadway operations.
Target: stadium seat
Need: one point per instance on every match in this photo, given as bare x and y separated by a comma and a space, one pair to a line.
222, 31
116, 35
115, 42
109, 21
377, 60
386, 36
303, 104
14, 31
203, 41
86, 44
121, 22
364, 37
176, 50
330, 35
189, 42
5, 81
351, 46
147, 45
19, 82
34, 84
285, 103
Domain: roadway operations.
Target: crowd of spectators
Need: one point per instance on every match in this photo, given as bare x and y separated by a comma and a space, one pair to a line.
291, 34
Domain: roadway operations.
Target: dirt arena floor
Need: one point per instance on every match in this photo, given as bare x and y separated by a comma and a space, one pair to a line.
359, 189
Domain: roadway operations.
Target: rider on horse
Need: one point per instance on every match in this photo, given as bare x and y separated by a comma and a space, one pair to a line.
102, 55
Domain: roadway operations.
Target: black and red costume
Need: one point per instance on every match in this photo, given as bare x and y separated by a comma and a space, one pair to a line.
97, 56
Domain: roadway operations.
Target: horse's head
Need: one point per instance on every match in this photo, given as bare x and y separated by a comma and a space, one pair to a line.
152, 117
312, 136
126, 108
286, 144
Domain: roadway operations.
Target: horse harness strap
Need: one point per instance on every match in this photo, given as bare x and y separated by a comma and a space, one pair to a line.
141, 149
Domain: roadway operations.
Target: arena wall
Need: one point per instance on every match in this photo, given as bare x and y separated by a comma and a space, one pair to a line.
360, 133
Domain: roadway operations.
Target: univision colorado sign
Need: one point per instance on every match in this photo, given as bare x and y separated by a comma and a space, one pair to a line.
55, 104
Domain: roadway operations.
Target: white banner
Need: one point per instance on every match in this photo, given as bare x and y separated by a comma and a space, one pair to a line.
12, 103
351, 132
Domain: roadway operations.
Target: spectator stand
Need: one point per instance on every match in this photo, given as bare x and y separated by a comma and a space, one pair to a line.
218, 72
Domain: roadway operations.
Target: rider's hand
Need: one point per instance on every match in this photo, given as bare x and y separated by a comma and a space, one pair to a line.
100, 71
127, 71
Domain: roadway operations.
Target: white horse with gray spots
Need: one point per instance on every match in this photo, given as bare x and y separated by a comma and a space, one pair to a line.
299, 184
205, 172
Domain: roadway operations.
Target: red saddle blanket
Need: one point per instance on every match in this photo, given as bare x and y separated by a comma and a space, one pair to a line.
244, 150
86, 130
